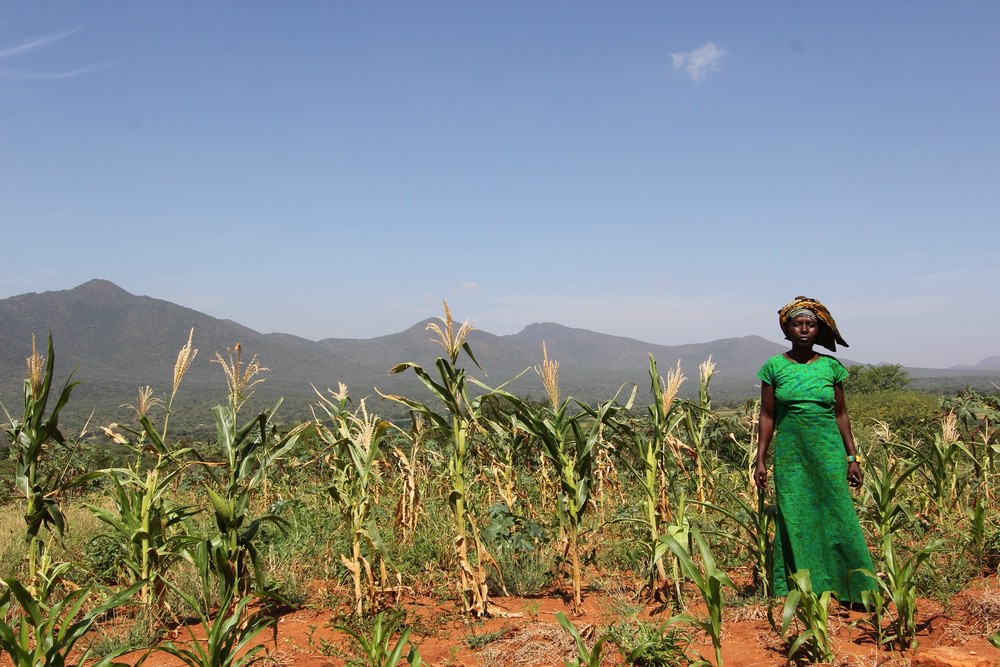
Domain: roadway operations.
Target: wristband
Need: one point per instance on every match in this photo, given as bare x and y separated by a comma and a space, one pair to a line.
852, 458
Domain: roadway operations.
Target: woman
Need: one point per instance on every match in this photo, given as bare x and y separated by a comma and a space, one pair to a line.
802, 410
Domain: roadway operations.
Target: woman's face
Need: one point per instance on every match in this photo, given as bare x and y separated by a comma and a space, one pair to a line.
802, 331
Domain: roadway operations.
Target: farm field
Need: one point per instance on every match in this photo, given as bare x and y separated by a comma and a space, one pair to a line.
484, 530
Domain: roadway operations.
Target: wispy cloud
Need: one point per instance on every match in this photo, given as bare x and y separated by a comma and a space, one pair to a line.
34, 44
698, 63
52, 76
41, 43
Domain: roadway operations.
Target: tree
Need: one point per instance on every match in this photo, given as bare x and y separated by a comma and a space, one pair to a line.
868, 379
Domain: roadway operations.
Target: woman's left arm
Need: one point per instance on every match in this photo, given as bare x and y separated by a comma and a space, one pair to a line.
854, 475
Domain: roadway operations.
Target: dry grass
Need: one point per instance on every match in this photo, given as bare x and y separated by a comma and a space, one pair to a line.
983, 608
11, 539
536, 644
754, 611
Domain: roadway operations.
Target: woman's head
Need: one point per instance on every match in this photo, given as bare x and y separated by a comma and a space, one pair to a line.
802, 309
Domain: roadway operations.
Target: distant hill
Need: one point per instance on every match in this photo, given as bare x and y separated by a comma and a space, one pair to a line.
987, 364
117, 342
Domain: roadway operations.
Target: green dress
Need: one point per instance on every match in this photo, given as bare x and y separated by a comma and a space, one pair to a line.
817, 528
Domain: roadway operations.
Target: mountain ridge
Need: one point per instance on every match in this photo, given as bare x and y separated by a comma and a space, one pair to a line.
118, 341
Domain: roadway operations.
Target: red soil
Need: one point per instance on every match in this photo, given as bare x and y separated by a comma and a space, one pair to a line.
531, 636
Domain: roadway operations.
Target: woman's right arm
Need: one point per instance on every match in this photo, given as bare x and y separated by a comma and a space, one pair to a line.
765, 431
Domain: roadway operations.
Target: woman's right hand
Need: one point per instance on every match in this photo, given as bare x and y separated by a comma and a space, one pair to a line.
760, 475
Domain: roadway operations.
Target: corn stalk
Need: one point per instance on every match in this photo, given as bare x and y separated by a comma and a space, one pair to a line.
457, 423
898, 584
353, 439
653, 451
146, 523
884, 508
710, 581
44, 633
813, 613
942, 465
410, 469
570, 443
696, 420
248, 452
504, 444
29, 437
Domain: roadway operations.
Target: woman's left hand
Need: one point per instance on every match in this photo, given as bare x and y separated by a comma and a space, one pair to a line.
854, 475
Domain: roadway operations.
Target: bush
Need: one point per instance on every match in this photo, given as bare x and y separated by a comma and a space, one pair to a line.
908, 413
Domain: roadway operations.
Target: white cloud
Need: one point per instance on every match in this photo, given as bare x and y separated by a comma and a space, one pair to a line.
698, 63
41, 43
53, 76
34, 44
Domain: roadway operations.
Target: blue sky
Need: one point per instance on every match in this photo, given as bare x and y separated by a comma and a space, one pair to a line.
667, 171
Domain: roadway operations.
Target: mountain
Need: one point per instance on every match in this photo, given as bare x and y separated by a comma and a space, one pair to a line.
987, 364
114, 342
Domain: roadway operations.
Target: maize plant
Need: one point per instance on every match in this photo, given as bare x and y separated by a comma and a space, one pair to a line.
248, 452
457, 424
146, 524
409, 469
696, 421
227, 640
47, 633
506, 442
899, 586
813, 613
710, 581
608, 489
754, 516
585, 657
754, 520
975, 416
653, 450
29, 438
943, 468
569, 441
377, 648
353, 439
884, 481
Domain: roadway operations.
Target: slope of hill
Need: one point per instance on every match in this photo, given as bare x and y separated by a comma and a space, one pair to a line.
117, 342
987, 364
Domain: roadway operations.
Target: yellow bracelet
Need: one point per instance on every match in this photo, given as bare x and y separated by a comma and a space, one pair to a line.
852, 458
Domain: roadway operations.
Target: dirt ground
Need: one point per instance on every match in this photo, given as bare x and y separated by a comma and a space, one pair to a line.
950, 636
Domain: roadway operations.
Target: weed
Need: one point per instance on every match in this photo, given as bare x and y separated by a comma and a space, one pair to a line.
585, 657
376, 646
475, 640
648, 644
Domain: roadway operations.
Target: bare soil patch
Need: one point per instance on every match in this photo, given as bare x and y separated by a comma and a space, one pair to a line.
530, 636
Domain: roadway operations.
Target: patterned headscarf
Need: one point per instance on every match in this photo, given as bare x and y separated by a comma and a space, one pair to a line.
829, 336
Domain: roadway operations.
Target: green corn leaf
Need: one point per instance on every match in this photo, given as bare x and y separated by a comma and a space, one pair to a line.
221, 506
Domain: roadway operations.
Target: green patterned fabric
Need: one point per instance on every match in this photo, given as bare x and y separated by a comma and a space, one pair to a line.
817, 528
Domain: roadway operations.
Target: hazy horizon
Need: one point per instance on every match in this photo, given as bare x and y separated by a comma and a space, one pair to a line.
842, 353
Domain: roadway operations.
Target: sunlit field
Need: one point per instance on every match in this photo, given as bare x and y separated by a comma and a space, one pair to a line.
484, 529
